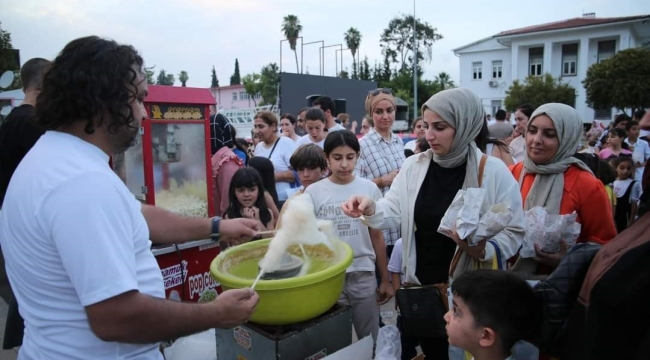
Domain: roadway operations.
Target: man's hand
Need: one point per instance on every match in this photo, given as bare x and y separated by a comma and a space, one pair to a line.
235, 307
237, 231
357, 206
388, 178
385, 292
552, 260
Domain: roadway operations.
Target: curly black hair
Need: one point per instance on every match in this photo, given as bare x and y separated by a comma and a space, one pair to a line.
91, 80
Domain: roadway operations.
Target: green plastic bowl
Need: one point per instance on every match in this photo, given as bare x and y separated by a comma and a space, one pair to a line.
288, 301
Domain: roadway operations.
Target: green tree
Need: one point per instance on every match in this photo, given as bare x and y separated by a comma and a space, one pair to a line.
353, 41
397, 41
364, 71
622, 81
164, 78
539, 90
8, 58
292, 29
252, 85
269, 80
214, 82
235, 79
444, 81
183, 77
149, 72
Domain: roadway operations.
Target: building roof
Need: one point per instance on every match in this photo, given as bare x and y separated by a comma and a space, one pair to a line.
236, 86
571, 23
179, 95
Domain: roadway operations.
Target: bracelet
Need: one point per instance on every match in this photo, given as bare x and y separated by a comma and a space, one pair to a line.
215, 236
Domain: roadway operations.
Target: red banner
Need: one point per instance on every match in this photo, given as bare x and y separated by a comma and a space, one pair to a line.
187, 277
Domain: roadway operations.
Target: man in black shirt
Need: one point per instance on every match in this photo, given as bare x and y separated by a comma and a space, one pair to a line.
17, 136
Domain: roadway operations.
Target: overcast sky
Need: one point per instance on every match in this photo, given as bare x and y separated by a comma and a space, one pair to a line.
194, 35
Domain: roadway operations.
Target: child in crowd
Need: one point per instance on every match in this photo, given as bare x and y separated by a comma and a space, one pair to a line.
247, 198
360, 292
310, 164
492, 310
627, 191
265, 168
315, 126
396, 279
615, 145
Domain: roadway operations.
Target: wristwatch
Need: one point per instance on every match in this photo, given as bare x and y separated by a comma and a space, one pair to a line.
216, 221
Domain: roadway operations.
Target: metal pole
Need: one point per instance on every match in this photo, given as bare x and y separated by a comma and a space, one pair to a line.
320, 66
335, 60
415, 66
281, 55
341, 57
301, 57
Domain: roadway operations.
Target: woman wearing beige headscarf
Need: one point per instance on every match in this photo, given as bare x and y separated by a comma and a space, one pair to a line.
426, 186
552, 178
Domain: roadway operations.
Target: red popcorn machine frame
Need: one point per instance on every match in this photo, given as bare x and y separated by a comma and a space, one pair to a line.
170, 165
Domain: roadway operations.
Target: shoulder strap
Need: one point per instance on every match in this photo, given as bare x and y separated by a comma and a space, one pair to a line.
481, 169
274, 145
457, 255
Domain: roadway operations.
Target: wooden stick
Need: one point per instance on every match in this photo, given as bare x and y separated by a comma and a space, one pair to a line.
268, 232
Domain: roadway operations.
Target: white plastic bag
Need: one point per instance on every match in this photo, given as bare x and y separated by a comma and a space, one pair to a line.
448, 222
547, 230
492, 223
470, 214
389, 346
201, 346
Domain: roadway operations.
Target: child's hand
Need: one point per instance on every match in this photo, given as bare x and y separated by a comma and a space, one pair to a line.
251, 213
385, 292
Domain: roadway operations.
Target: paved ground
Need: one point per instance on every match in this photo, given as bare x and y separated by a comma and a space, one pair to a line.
5, 354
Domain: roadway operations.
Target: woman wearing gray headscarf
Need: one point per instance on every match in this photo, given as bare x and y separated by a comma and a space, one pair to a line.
552, 178
426, 186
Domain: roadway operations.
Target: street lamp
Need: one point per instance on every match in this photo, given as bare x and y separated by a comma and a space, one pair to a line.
415, 67
324, 47
320, 56
341, 50
281, 41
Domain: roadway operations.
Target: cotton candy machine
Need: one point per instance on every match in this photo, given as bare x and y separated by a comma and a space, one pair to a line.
289, 300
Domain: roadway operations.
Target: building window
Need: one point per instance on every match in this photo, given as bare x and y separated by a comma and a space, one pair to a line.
497, 69
477, 70
234, 96
242, 95
536, 61
603, 113
569, 59
606, 50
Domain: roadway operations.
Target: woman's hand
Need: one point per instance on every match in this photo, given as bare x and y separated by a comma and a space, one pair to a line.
477, 251
552, 260
357, 206
385, 292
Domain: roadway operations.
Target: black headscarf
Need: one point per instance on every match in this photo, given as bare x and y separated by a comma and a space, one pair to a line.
220, 132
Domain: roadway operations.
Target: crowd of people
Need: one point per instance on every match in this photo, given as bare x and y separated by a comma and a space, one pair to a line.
386, 199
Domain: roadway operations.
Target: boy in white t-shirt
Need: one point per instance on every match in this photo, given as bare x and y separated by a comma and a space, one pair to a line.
315, 126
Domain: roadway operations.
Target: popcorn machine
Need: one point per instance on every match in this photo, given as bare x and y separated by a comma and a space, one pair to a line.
170, 164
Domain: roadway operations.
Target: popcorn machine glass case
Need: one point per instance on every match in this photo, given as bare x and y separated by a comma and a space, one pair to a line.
170, 165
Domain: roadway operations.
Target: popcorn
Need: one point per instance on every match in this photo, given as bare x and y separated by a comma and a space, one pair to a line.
190, 199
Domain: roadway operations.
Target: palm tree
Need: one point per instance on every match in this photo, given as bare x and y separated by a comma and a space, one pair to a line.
444, 81
353, 40
182, 77
292, 29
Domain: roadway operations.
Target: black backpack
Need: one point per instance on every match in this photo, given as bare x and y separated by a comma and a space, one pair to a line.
558, 294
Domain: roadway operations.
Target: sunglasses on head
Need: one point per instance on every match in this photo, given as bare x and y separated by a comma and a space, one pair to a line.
376, 92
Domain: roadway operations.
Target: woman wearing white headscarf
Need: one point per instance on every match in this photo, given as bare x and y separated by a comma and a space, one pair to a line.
552, 178
426, 186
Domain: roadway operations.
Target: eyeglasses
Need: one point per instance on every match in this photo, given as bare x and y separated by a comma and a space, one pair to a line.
376, 92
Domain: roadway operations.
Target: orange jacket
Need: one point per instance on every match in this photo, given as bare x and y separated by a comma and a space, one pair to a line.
584, 194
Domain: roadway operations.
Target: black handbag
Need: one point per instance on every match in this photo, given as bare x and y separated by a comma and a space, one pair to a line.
422, 310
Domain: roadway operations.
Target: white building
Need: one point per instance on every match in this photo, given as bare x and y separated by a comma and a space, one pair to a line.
564, 49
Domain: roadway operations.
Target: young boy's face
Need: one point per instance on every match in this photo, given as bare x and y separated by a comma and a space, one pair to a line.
309, 176
462, 331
